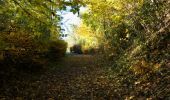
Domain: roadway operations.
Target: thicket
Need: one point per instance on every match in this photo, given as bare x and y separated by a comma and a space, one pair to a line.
77, 48
134, 36
29, 34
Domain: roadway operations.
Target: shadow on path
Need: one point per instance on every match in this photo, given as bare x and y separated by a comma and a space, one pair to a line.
74, 77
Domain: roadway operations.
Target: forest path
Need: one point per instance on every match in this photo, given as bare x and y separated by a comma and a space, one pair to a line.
74, 77
77, 77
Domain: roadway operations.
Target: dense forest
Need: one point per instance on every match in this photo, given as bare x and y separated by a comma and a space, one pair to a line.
122, 50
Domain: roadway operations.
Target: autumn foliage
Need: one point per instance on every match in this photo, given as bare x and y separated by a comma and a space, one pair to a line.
127, 43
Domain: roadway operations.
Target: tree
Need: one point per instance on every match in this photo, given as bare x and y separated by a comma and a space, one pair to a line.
130, 30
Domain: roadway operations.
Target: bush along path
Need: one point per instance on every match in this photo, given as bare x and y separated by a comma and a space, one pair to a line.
79, 77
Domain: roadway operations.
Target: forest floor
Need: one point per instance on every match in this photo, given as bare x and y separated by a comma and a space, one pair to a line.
74, 77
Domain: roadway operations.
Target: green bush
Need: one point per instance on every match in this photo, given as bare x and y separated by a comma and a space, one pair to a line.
90, 51
26, 53
56, 49
22, 53
76, 49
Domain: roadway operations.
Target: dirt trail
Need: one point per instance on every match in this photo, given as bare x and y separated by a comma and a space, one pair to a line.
74, 77
79, 77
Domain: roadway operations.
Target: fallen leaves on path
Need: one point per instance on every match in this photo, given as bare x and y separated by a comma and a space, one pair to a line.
76, 77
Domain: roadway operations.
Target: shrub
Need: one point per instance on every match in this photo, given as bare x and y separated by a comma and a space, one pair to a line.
76, 49
90, 51
22, 53
56, 49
